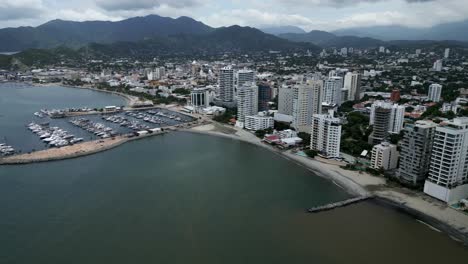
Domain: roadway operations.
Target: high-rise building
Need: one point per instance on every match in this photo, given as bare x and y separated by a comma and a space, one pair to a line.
447, 53
344, 51
245, 76
448, 173
326, 135
264, 96
226, 84
285, 100
307, 101
438, 65
247, 102
384, 156
352, 82
380, 121
386, 118
382, 49
156, 74
435, 90
415, 153
332, 90
200, 97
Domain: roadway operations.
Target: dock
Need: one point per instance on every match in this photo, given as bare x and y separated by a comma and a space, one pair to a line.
338, 204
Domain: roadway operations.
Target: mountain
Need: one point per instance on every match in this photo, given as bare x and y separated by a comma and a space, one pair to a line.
283, 30
448, 31
221, 40
325, 40
225, 39
76, 34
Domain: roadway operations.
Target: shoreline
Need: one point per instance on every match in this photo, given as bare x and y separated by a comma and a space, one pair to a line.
426, 209
129, 99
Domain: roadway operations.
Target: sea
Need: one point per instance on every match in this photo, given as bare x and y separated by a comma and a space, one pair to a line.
186, 198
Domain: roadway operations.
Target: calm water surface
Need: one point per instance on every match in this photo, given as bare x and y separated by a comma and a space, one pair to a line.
189, 198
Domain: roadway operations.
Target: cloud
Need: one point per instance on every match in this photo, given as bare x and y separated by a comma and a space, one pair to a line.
121, 5
343, 3
20, 9
254, 17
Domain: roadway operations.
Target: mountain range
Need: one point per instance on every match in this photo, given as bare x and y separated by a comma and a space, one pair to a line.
448, 31
155, 35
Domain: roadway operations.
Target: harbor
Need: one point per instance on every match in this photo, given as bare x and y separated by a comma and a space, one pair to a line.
63, 133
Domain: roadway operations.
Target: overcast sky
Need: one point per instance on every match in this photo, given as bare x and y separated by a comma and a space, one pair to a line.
308, 14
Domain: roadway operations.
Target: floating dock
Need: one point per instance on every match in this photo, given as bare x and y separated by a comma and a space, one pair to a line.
337, 204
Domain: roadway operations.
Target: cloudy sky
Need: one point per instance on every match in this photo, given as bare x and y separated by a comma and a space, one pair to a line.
308, 14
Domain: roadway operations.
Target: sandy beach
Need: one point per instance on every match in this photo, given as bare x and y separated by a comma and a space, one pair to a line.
421, 206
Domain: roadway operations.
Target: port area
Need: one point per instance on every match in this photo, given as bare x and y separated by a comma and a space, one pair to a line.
104, 130
332, 206
76, 150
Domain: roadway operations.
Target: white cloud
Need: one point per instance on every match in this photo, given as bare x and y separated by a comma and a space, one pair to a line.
120, 5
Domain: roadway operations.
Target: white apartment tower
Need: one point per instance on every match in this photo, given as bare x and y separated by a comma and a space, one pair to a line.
307, 101
448, 172
247, 102
438, 65
245, 76
435, 90
384, 156
396, 118
447, 53
326, 135
226, 84
332, 90
415, 153
352, 83
285, 100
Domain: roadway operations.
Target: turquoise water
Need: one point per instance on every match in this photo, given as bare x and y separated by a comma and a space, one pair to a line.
190, 198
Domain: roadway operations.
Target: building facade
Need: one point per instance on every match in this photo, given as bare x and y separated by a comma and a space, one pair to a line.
332, 90
245, 76
307, 101
285, 100
435, 90
257, 122
384, 156
448, 172
200, 97
396, 118
226, 84
264, 96
352, 82
325, 135
415, 153
247, 102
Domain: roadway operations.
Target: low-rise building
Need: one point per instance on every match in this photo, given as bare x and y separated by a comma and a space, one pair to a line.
384, 156
258, 122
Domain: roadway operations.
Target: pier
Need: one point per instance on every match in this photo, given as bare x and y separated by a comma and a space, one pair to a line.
337, 204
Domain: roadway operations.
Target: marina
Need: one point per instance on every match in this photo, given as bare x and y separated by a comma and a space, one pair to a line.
6, 150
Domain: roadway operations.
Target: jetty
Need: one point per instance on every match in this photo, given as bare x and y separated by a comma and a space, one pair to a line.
338, 204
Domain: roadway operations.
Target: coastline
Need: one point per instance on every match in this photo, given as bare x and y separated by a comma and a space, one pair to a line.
130, 100
431, 212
